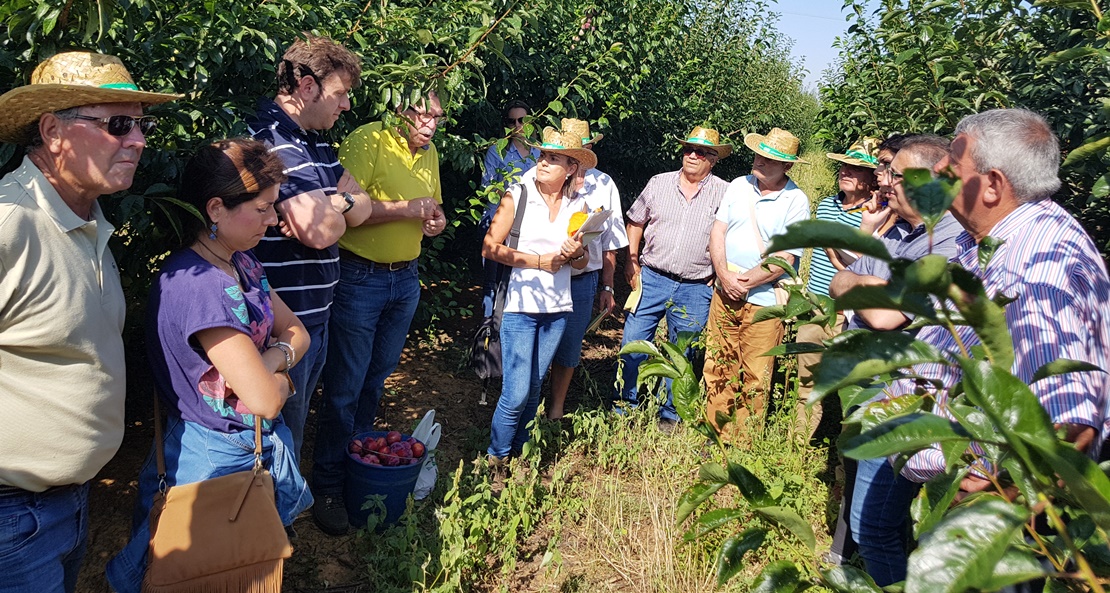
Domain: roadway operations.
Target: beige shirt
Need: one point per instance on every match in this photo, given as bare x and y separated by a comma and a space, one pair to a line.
62, 380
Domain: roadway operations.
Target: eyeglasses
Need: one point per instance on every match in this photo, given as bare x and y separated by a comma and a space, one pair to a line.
888, 171
512, 122
121, 125
701, 152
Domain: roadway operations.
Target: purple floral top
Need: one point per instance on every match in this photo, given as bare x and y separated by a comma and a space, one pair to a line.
191, 295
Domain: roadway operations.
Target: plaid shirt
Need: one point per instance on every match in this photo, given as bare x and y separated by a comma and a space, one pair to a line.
676, 231
1049, 263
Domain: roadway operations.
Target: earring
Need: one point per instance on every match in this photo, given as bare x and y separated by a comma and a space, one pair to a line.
212, 231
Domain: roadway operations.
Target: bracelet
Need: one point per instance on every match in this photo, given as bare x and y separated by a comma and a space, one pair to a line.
538, 262
289, 352
292, 385
574, 259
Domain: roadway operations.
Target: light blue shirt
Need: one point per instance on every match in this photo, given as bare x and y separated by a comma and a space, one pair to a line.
774, 212
508, 168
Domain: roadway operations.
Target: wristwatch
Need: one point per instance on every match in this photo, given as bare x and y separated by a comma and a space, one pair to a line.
350, 201
607, 288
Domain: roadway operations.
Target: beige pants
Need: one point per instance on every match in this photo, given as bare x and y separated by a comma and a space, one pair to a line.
737, 377
807, 421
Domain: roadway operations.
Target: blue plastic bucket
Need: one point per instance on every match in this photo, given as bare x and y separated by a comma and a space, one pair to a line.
396, 483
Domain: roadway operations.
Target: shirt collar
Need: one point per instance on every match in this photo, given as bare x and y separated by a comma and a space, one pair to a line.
44, 194
750, 179
273, 112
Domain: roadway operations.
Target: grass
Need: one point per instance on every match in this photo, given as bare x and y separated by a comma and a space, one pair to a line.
591, 507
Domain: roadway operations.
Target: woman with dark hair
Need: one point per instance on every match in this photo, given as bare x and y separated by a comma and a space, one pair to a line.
220, 343
538, 298
518, 157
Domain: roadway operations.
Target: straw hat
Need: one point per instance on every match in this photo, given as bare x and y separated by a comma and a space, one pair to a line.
582, 128
69, 79
778, 145
569, 144
862, 153
707, 138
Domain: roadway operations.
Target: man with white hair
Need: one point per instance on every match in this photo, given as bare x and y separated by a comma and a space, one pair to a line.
62, 380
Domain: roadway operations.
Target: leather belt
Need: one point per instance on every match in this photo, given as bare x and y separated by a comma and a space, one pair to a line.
373, 265
678, 278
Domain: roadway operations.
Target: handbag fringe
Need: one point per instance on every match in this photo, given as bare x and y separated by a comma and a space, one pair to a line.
262, 577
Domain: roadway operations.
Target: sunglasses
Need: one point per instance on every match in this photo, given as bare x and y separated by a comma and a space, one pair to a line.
121, 125
701, 152
512, 122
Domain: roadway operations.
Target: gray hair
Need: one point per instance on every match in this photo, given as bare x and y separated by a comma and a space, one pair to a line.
1021, 145
33, 128
924, 150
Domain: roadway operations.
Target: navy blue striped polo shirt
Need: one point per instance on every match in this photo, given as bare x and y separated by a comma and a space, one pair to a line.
821, 270
304, 277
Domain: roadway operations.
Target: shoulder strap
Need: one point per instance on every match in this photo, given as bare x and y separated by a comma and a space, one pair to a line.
755, 226
514, 233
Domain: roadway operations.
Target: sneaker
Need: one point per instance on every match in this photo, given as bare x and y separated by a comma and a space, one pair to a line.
330, 514
498, 472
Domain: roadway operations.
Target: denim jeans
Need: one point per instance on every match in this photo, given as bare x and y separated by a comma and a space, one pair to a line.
686, 307
528, 342
306, 375
881, 519
583, 288
370, 317
194, 453
42, 538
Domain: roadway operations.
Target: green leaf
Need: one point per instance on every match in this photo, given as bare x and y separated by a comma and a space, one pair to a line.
775, 260
655, 368
694, 497
930, 196
886, 297
1086, 483
963, 550
555, 106
1012, 407
687, 393
987, 247
753, 489
1071, 53
641, 347
983, 315
712, 521
791, 348
778, 577
1092, 147
849, 579
677, 356
882, 411
1062, 366
904, 434
824, 233
936, 497
769, 312
1016, 566
792, 522
731, 555
862, 356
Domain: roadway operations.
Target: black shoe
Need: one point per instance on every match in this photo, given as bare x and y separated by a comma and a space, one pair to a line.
290, 533
330, 514
666, 425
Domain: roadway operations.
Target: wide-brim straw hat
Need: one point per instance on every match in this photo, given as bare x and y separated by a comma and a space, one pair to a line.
707, 138
582, 128
862, 153
69, 79
569, 144
778, 145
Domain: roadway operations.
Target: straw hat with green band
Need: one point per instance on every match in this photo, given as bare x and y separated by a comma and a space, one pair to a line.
69, 79
778, 145
567, 143
862, 153
582, 128
706, 138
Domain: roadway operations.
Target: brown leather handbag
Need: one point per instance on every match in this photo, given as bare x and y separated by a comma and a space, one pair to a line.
216, 535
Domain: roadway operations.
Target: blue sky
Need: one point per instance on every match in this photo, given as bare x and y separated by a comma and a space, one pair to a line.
813, 25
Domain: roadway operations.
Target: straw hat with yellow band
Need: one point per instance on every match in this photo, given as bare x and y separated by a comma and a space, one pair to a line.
707, 138
778, 145
862, 153
582, 128
69, 79
567, 143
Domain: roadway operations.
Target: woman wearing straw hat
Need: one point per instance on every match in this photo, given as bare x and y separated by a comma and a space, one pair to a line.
539, 297
857, 182
754, 209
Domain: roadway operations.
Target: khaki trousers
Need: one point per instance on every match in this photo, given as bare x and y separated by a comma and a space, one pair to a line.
807, 421
737, 377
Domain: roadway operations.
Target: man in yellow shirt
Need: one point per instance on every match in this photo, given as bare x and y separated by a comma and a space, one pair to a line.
378, 288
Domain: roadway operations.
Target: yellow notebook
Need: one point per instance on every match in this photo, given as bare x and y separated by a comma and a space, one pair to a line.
634, 296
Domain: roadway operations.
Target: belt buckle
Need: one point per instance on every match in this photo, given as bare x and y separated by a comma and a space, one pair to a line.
398, 266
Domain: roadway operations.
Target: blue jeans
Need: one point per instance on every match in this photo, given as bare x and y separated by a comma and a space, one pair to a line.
194, 453
306, 375
686, 307
370, 317
881, 519
583, 288
528, 342
42, 538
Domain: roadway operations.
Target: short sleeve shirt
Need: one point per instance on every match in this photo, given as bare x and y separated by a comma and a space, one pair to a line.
304, 277
380, 160
821, 269
676, 231
189, 296
532, 290
508, 168
774, 212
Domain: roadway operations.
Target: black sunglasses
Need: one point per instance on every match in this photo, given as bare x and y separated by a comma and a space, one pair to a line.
512, 122
121, 125
703, 153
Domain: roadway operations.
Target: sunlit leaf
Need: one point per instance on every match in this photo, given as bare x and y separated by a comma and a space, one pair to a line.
904, 434
792, 521
849, 579
694, 497
711, 521
930, 196
1063, 366
731, 555
777, 577
833, 235
860, 357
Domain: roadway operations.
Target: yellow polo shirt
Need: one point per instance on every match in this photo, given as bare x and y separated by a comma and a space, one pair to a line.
380, 160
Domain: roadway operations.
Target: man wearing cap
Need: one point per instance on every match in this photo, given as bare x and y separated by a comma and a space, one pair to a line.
755, 208
378, 289
672, 218
62, 380
601, 194
317, 202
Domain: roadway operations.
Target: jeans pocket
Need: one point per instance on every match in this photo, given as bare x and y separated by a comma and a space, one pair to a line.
352, 272
19, 524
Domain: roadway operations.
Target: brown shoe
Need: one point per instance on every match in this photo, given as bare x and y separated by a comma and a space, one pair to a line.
498, 472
